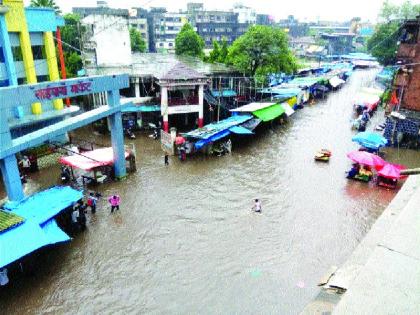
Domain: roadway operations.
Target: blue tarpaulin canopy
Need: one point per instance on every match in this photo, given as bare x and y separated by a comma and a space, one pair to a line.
370, 140
239, 130
225, 93
39, 228
46, 204
215, 131
141, 108
283, 92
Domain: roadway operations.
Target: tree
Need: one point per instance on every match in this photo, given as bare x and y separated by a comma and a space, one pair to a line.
71, 35
219, 52
188, 42
46, 4
137, 42
383, 43
262, 50
390, 11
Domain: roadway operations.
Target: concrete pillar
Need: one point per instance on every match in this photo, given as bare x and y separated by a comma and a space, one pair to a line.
7, 50
117, 136
164, 107
201, 106
11, 178
52, 64
95, 104
8, 166
137, 88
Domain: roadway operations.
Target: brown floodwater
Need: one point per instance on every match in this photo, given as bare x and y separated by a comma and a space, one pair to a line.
186, 242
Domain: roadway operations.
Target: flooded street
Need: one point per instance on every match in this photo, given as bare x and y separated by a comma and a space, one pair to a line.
186, 242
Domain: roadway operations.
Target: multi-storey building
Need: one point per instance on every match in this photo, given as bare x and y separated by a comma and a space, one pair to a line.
166, 28
138, 20
107, 39
265, 19
218, 25
27, 56
246, 15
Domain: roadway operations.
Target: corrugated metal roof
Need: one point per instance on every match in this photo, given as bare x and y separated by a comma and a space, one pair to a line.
157, 65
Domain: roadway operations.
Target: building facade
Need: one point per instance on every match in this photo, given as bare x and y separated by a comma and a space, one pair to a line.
218, 25
246, 15
107, 38
28, 56
138, 20
407, 83
166, 27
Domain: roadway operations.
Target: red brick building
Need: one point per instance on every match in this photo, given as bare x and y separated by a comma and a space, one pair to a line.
407, 82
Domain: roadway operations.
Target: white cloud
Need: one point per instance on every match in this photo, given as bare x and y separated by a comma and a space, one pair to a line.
302, 9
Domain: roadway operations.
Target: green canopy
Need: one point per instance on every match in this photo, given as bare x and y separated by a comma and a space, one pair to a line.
269, 113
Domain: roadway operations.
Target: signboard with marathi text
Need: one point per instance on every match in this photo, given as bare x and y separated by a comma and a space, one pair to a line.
167, 142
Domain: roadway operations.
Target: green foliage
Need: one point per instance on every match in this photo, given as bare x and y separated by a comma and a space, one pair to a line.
73, 63
188, 42
46, 4
383, 43
220, 52
137, 42
262, 50
390, 11
71, 34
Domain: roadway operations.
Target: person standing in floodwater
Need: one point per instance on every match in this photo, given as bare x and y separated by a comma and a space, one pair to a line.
257, 206
91, 202
114, 201
166, 159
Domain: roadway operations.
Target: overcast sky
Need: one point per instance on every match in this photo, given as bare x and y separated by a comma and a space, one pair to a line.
311, 10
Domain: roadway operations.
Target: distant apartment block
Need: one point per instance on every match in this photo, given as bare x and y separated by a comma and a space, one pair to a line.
106, 40
138, 20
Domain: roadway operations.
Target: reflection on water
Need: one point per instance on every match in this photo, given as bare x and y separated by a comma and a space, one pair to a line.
185, 240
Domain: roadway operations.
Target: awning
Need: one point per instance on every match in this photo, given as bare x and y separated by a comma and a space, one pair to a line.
39, 228
225, 93
54, 234
27, 238
288, 109
269, 113
336, 81
252, 107
46, 204
239, 130
141, 108
91, 159
251, 124
202, 143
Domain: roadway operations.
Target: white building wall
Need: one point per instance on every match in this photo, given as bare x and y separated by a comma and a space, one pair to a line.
245, 14
111, 39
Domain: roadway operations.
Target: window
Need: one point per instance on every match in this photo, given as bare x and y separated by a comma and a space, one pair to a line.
38, 52
171, 44
17, 53
2, 60
160, 44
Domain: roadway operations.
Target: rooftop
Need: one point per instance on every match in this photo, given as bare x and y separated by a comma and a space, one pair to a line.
159, 64
181, 71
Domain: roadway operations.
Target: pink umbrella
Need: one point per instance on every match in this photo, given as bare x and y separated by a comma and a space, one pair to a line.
179, 140
392, 171
366, 158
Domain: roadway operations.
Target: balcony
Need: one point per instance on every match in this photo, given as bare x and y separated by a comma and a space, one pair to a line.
179, 101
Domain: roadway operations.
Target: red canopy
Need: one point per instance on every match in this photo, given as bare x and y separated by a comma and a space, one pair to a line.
91, 159
366, 158
392, 171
